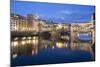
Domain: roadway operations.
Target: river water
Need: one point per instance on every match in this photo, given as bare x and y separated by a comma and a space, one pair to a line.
36, 50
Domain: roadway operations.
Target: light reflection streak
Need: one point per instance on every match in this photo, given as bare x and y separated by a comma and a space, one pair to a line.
29, 37
23, 42
59, 44
15, 43
14, 56
37, 44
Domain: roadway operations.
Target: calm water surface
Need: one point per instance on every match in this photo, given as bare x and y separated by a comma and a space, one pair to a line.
37, 50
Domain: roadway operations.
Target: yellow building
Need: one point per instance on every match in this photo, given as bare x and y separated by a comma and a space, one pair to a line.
18, 23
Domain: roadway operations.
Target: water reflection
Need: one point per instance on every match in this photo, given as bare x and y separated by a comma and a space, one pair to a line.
31, 46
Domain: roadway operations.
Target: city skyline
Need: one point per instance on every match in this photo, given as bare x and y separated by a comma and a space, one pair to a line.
54, 12
51, 33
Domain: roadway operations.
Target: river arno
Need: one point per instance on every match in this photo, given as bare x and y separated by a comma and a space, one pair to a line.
37, 50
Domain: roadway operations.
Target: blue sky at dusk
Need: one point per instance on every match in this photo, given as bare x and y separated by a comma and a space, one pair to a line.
65, 13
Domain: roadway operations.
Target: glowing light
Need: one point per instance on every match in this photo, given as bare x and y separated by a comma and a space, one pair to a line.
29, 41
16, 38
66, 45
23, 42
36, 41
60, 26
33, 41
24, 38
33, 52
36, 51
15, 43
16, 28
29, 37
59, 44
34, 37
14, 56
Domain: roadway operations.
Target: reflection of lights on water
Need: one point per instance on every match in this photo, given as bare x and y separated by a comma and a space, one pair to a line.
66, 45
23, 42
29, 41
15, 43
35, 41
53, 47
34, 51
59, 44
78, 35
14, 56
34, 37
24, 38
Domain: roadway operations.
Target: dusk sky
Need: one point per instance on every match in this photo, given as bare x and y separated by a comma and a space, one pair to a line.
65, 13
